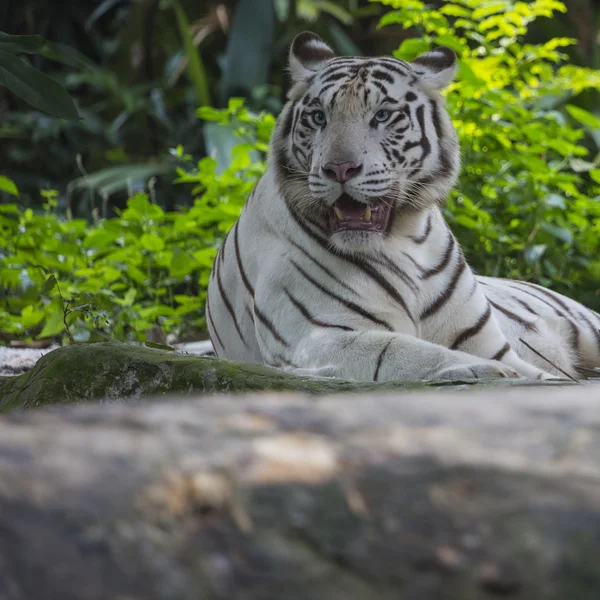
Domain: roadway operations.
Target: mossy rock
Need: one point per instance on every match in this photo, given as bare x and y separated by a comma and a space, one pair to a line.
113, 371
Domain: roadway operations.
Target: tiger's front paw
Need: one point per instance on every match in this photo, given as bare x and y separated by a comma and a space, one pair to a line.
476, 371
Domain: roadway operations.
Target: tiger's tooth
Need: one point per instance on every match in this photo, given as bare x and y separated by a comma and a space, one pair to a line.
338, 213
367, 214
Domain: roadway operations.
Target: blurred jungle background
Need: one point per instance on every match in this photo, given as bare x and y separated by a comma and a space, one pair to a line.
132, 131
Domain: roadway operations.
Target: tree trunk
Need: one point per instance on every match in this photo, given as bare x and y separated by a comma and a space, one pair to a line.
420, 495
113, 371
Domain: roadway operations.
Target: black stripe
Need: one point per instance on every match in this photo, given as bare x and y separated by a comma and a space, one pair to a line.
547, 293
501, 353
382, 76
445, 259
357, 262
309, 317
423, 237
239, 263
380, 359
212, 324
437, 304
303, 225
572, 325
514, 317
519, 289
229, 307
386, 261
466, 334
222, 248
526, 306
286, 127
384, 283
348, 304
418, 266
552, 295
322, 267
278, 360
435, 117
269, 325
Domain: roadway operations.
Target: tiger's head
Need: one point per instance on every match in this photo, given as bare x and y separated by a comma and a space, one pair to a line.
362, 141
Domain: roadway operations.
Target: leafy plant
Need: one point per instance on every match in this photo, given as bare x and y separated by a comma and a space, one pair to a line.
528, 202
28, 83
131, 276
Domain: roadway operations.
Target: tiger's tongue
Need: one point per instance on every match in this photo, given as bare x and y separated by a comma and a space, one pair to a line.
350, 208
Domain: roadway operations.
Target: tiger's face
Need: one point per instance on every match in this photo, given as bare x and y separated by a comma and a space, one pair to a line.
364, 140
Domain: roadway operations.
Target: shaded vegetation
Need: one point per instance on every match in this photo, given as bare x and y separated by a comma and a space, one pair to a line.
125, 251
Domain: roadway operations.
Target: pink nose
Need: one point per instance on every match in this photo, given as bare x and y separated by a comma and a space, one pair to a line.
341, 172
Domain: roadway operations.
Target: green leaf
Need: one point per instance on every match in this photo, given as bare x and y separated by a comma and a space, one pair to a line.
49, 284
595, 175
54, 324
37, 89
411, 48
583, 116
7, 185
181, 264
452, 41
21, 44
152, 242
195, 68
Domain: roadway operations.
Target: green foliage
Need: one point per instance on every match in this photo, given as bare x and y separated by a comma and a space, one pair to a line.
528, 202
126, 276
527, 205
28, 83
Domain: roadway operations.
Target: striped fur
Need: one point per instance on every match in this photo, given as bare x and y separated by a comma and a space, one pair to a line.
395, 304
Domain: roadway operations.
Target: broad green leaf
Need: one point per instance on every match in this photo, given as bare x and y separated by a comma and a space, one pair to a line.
54, 324
7, 185
49, 284
21, 44
152, 242
181, 264
454, 10
583, 116
37, 89
452, 41
31, 316
595, 175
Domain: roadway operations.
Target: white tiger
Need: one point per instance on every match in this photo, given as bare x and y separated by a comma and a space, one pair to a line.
341, 262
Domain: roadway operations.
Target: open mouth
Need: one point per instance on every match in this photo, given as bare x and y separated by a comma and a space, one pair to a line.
349, 215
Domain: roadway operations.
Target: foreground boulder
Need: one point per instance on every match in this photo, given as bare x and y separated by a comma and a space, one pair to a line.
422, 495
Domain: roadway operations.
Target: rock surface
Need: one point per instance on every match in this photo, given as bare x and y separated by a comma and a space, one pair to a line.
420, 495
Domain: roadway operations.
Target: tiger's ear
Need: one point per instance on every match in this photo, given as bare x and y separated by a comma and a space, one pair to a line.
308, 54
436, 68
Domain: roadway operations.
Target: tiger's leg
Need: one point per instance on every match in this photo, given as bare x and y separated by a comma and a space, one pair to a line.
375, 355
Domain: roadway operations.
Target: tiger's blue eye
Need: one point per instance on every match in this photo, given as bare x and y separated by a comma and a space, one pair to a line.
319, 118
382, 115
